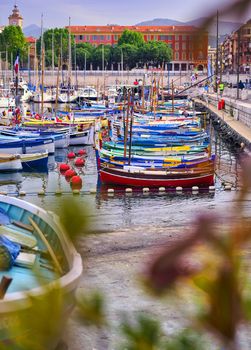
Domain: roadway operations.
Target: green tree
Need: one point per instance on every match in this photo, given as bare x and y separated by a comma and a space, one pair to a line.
48, 37
84, 51
98, 53
129, 53
131, 37
155, 53
12, 40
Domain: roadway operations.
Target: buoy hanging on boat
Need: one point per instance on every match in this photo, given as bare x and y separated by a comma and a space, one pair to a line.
70, 173
71, 155
80, 162
76, 182
82, 152
64, 167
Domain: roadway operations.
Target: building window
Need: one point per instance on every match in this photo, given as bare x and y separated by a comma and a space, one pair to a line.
88, 37
177, 46
183, 66
184, 37
200, 55
115, 37
155, 37
177, 37
184, 56
169, 66
148, 37
176, 56
170, 37
184, 46
163, 37
176, 67
101, 37
108, 37
94, 37
190, 56
80, 37
170, 45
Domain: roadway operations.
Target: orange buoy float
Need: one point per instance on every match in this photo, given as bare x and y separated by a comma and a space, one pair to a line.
82, 152
79, 162
71, 155
64, 167
76, 182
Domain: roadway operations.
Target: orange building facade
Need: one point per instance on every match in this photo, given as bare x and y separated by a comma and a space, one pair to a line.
189, 45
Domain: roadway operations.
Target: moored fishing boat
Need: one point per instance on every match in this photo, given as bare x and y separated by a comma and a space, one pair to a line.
35, 161
84, 137
14, 145
10, 162
142, 177
41, 261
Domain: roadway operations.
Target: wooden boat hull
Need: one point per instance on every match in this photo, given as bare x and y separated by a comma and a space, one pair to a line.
35, 162
148, 179
10, 163
16, 302
27, 146
81, 137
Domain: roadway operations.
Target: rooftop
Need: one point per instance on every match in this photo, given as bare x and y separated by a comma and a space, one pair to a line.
142, 29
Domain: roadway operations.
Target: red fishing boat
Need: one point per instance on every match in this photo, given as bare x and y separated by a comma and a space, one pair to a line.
140, 177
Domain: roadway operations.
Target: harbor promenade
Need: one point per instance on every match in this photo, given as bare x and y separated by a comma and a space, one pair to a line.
236, 114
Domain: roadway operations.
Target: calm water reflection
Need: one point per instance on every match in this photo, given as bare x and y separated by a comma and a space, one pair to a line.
124, 211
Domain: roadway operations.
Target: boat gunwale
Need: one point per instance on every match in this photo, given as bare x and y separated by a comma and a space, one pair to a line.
68, 282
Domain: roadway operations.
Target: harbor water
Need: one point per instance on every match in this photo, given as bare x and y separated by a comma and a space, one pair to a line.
127, 228
109, 212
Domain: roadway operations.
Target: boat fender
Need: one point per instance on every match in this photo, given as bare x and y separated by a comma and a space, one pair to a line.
64, 167
71, 155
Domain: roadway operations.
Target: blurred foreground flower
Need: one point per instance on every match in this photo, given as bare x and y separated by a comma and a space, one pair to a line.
91, 309
74, 218
143, 334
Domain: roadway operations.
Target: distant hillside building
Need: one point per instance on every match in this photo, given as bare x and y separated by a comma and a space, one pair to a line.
238, 41
15, 19
188, 45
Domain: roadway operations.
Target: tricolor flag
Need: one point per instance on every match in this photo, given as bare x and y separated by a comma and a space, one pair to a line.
16, 64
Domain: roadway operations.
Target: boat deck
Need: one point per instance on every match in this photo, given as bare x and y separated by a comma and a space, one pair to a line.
25, 278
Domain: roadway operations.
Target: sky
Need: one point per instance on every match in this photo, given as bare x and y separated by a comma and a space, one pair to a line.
101, 12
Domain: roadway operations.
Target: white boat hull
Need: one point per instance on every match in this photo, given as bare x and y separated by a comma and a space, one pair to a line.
63, 142
82, 138
10, 165
49, 147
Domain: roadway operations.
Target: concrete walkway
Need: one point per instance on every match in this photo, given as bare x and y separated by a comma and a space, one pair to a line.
237, 125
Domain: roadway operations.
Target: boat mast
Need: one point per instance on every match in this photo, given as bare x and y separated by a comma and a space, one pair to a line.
131, 124
42, 65
61, 54
29, 65
6, 67
52, 53
127, 122
75, 64
58, 73
172, 97
162, 83
69, 60
154, 98
217, 53
143, 93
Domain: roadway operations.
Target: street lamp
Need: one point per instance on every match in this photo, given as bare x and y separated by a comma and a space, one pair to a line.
85, 69
122, 63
